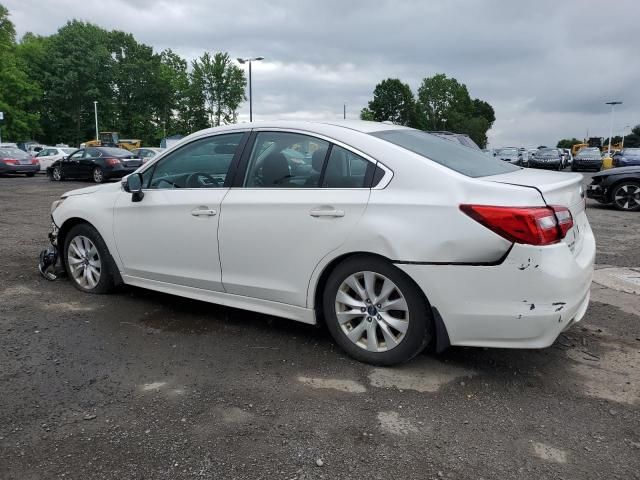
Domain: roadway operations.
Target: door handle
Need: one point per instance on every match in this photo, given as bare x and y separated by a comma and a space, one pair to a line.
325, 212
203, 212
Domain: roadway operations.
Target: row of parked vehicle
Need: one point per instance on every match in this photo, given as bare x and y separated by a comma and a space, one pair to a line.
589, 158
60, 162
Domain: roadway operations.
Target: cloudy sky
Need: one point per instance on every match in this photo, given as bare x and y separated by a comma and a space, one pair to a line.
546, 66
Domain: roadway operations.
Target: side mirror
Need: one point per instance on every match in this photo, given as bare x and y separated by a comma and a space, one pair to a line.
133, 184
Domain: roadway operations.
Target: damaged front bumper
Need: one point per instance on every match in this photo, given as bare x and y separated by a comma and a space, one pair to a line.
48, 258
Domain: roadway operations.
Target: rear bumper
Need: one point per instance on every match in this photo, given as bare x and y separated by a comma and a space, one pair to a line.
119, 172
30, 168
525, 302
587, 164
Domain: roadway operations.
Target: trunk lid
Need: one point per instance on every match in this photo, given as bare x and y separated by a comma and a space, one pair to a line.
556, 188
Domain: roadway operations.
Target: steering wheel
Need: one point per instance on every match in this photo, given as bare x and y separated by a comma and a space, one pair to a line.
201, 180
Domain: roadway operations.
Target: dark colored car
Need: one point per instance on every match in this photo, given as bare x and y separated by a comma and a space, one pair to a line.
95, 163
14, 160
617, 186
628, 157
546, 158
587, 159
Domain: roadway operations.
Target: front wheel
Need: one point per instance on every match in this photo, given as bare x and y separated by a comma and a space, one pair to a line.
87, 260
626, 196
375, 312
98, 175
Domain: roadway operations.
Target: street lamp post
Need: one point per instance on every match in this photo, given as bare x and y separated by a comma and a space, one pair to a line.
613, 105
95, 112
624, 130
243, 61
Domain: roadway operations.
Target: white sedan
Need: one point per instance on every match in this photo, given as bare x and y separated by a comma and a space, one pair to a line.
48, 155
395, 238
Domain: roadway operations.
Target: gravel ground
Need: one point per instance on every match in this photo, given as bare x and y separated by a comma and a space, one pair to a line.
145, 385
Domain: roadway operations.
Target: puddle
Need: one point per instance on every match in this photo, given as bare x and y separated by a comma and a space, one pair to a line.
391, 422
348, 386
549, 453
422, 375
614, 375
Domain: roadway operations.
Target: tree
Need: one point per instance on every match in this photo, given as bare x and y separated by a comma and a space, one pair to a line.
18, 92
393, 101
222, 85
444, 103
366, 114
568, 142
633, 139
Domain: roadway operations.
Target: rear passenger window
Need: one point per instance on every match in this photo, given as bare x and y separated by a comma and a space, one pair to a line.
345, 169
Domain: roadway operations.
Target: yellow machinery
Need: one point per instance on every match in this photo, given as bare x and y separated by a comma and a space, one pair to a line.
577, 147
112, 139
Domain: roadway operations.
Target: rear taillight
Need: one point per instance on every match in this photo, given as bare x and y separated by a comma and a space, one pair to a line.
528, 225
10, 161
34, 161
112, 162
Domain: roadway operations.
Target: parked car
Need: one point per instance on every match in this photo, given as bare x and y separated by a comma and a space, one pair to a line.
566, 157
95, 163
509, 154
48, 155
546, 158
14, 160
589, 158
627, 157
617, 186
146, 153
380, 240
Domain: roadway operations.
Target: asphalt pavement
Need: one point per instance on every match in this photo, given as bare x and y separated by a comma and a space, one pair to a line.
140, 385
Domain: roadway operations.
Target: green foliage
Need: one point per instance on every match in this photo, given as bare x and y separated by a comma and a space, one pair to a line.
393, 101
48, 86
222, 85
633, 139
366, 114
568, 142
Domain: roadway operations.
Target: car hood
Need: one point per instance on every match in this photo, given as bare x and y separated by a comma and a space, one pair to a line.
107, 187
618, 171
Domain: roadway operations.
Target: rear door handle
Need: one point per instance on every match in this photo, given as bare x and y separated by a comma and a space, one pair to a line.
324, 212
203, 212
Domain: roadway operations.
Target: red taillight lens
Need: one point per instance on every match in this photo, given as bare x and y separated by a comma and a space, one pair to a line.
10, 161
34, 161
528, 225
112, 162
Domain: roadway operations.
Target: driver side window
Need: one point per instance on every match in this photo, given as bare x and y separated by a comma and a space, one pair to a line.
77, 155
203, 163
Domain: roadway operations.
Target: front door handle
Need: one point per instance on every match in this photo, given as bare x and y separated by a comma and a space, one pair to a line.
203, 212
326, 212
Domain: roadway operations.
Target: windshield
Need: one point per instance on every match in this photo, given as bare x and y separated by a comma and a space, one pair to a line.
589, 151
507, 151
548, 151
68, 150
467, 161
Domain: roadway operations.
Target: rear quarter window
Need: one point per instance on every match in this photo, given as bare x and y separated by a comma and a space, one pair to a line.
464, 160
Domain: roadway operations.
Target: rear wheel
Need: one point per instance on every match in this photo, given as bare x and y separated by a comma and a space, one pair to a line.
626, 196
98, 175
87, 260
56, 174
375, 312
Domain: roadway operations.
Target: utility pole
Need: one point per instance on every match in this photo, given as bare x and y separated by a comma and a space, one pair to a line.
95, 111
243, 61
344, 111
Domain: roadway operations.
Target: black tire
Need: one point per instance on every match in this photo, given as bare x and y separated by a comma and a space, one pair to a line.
56, 174
420, 326
97, 175
632, 207
108, 272
573, 168
31, 174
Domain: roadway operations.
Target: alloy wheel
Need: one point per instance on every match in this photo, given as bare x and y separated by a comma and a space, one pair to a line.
57, 175
84, 262
372, 311
98, 176
627, 196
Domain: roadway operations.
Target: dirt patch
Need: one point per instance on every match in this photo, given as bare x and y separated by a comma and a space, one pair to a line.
348, 386
391, 422
549, 453
423, 375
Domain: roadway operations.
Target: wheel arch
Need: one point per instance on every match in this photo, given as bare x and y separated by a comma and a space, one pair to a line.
64, 230
441, 336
